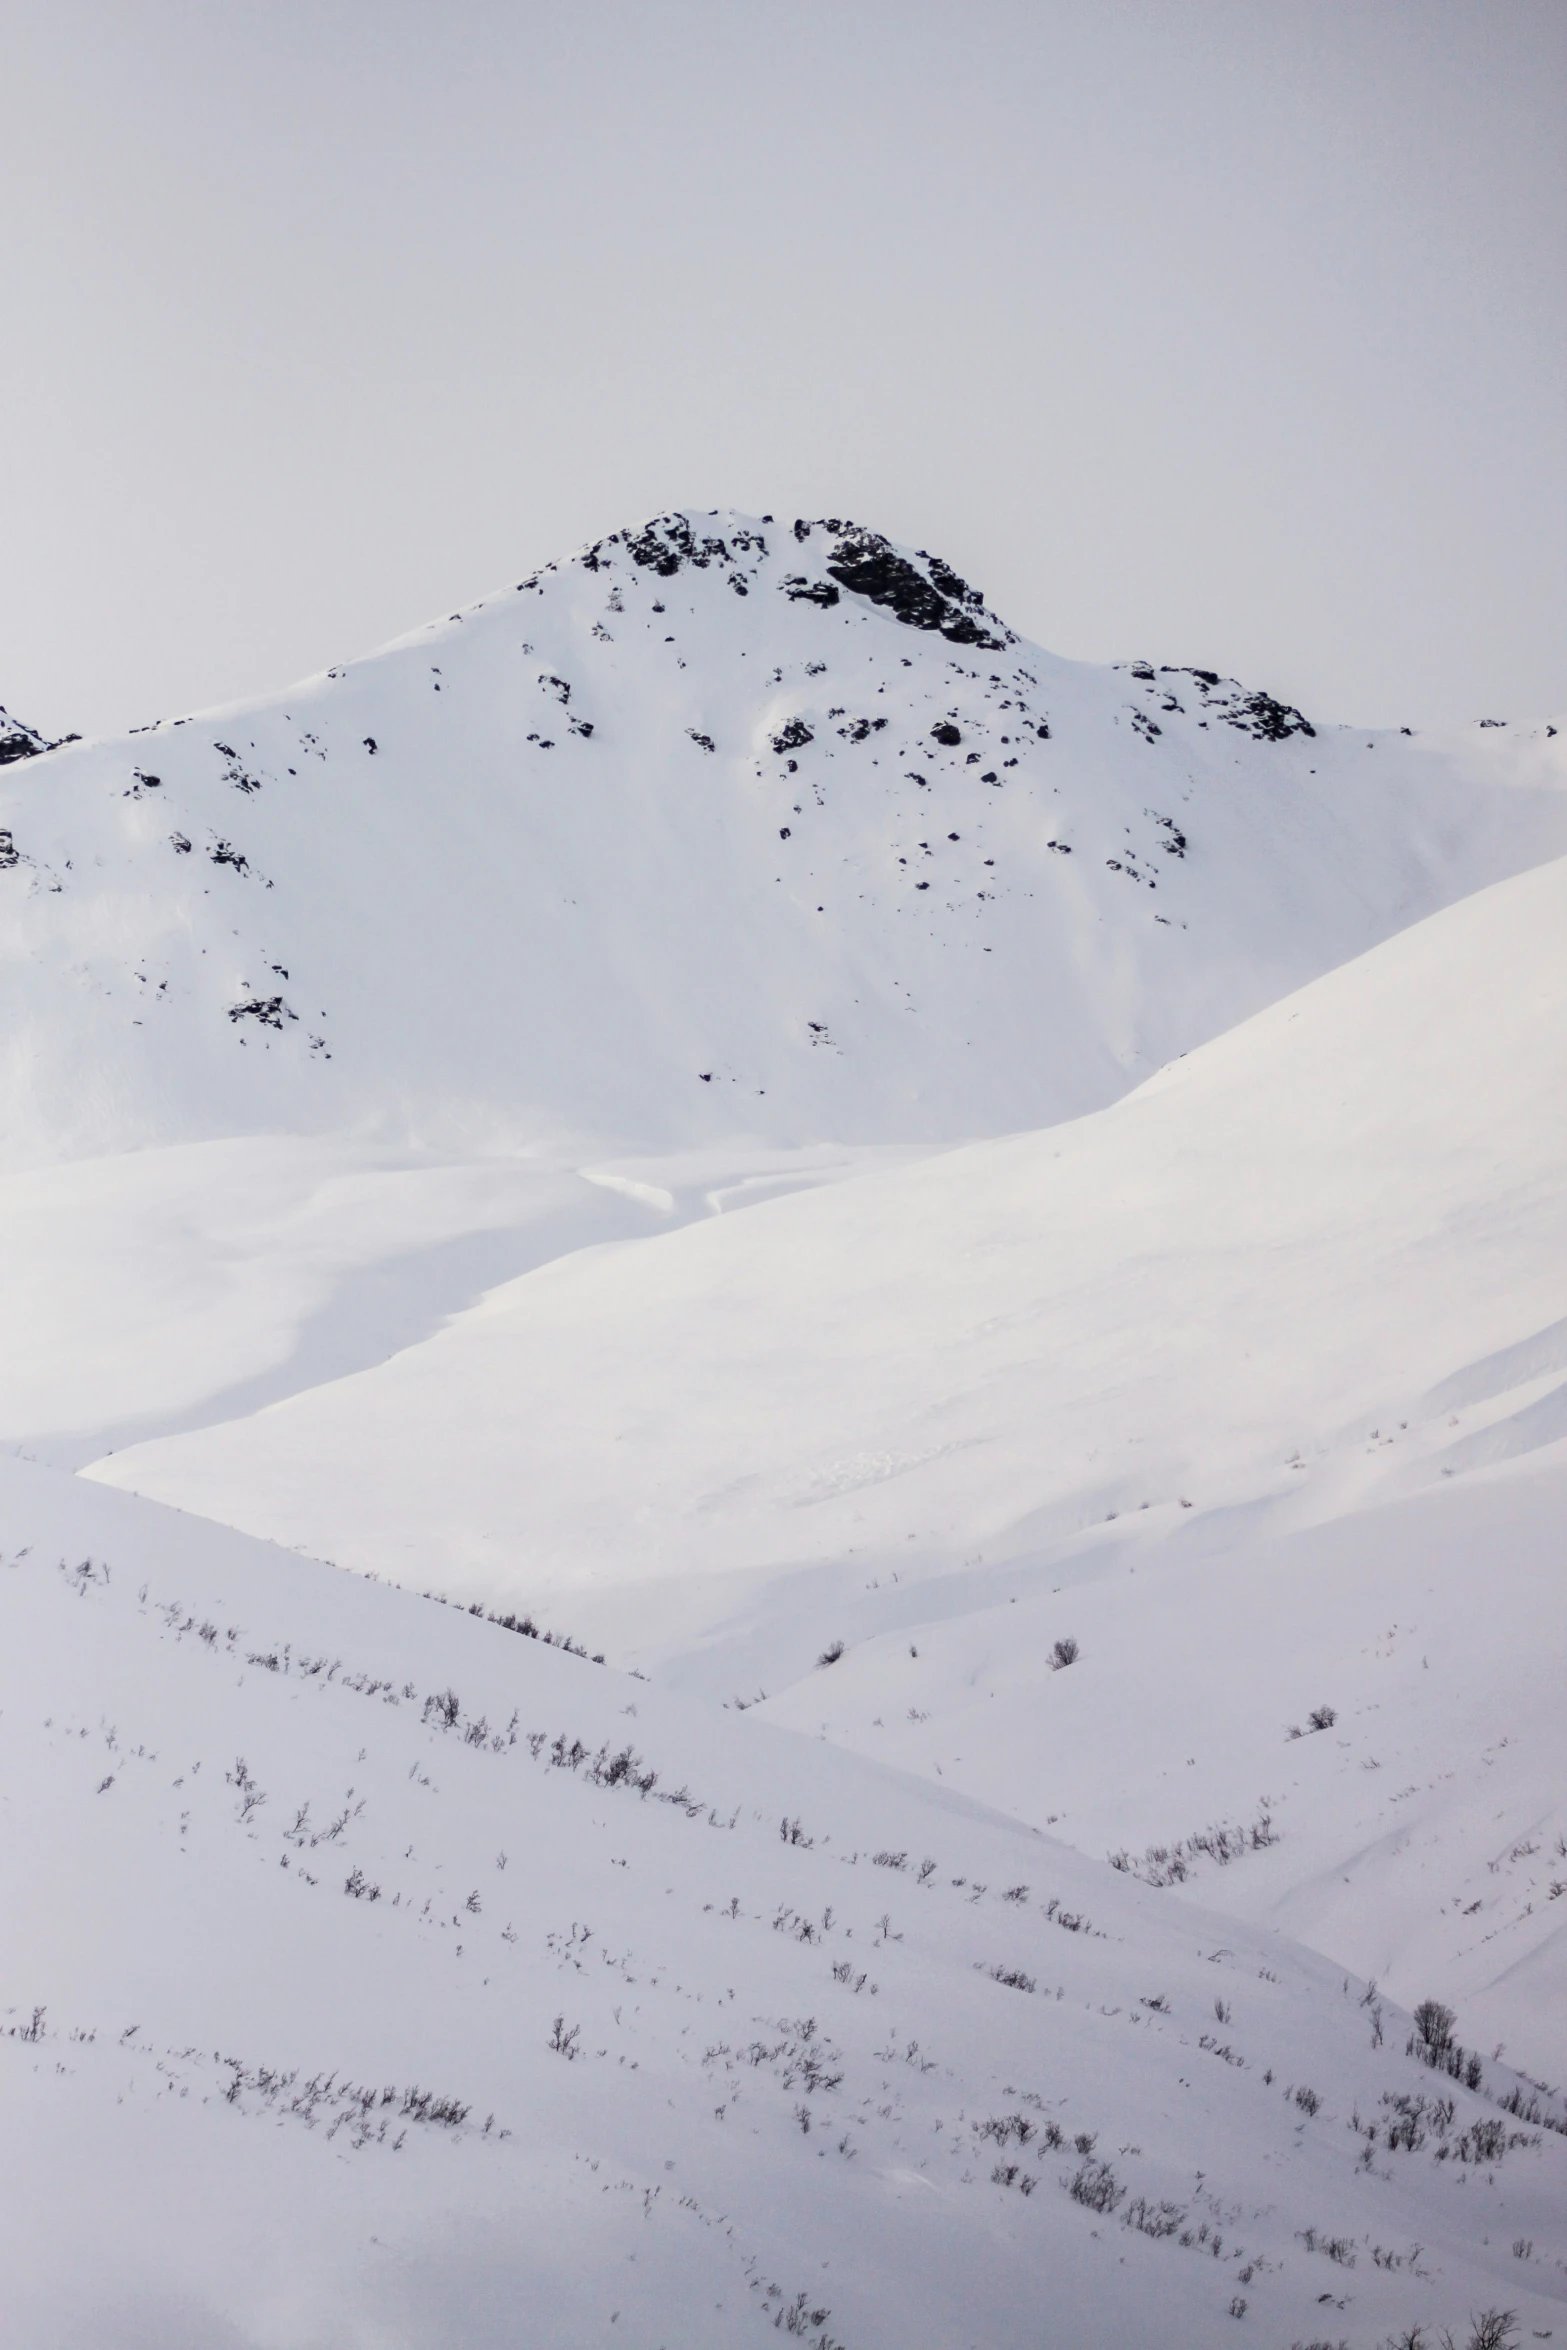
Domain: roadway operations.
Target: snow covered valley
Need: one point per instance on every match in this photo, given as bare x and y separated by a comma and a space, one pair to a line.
1003, 1302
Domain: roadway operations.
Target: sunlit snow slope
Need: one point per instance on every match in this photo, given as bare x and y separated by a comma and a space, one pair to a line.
1320, 1265
725, 826
1209, 1294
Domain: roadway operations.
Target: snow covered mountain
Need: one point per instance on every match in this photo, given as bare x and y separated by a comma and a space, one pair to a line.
725, 826
979, 1243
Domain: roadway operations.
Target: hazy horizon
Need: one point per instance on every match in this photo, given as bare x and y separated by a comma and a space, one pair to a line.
1217, 333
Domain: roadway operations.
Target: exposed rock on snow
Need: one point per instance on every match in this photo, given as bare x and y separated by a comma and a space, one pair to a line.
18, 741
589, 859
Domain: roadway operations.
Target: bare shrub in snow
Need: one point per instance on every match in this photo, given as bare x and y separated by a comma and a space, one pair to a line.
1095, 2186
1172, 1864
1432, 2041
1337, 2248
1004, 2127
1493, 2329
1153, 2219
1434, 2025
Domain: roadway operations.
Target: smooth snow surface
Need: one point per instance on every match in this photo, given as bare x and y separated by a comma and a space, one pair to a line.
169, 1288
1004, 1302
1210, 1293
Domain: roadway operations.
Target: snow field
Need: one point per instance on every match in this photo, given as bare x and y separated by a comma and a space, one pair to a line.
780, 2023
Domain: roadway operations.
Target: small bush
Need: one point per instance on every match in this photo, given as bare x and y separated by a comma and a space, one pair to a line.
1065, 1652
830, 1654
1337, 2248
1154, 2219
1004, 2126
1432, 2041
1095, 2186
1434, 2024
1172, 1864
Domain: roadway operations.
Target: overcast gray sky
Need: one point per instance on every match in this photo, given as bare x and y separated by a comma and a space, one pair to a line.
1228, 331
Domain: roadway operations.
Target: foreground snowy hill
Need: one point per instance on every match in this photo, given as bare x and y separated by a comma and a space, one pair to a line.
374, 1976
1319, 1265
724, 827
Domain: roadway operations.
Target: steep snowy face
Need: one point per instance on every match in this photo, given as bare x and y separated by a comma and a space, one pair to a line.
724, 826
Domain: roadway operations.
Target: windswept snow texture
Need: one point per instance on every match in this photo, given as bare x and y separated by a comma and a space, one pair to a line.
725, 826
942, 1276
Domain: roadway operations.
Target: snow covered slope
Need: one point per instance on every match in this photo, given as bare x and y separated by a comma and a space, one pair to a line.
160, 1290
1208, 1295
1200, 1337
372, 1976
724, 827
